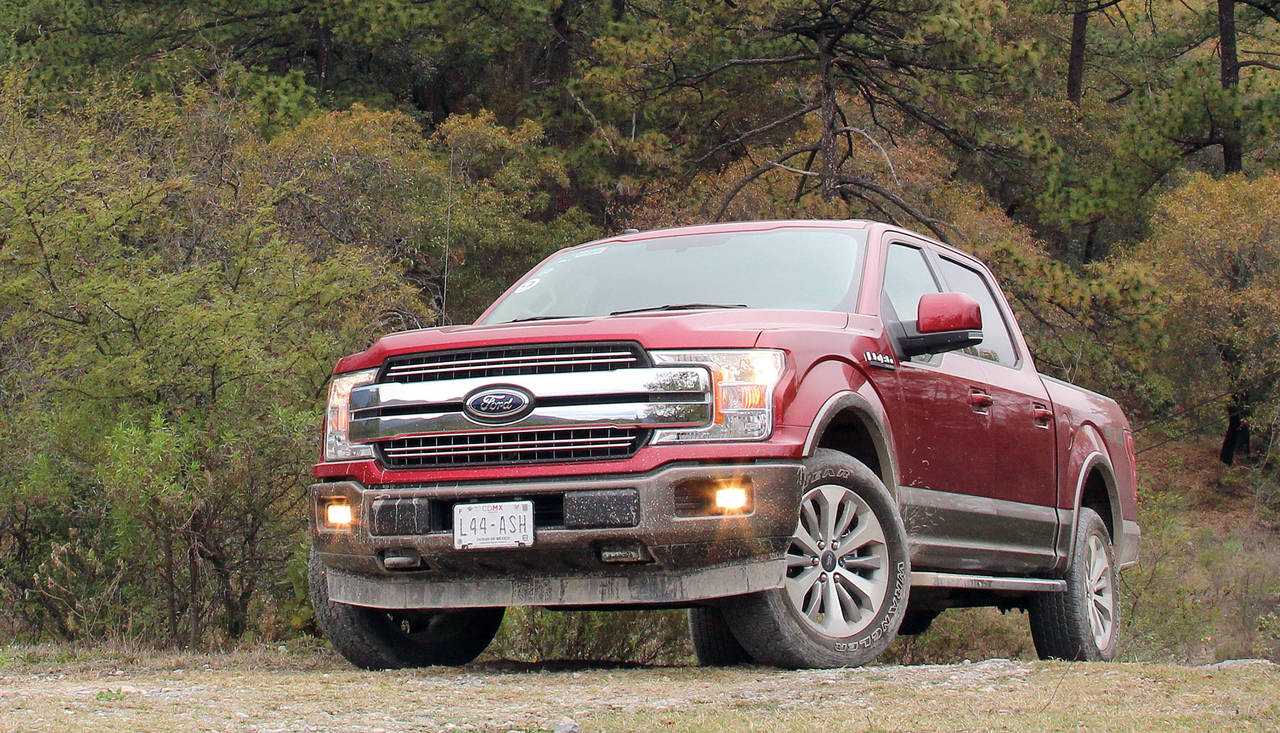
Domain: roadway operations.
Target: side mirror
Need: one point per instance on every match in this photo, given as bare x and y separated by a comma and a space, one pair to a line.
938, 312
944, 322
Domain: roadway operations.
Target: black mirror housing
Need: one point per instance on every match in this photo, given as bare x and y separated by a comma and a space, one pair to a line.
915, 343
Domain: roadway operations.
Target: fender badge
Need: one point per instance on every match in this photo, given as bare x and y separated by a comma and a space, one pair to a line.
884, 361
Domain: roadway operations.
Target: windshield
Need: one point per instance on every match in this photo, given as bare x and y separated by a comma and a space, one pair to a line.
804, 268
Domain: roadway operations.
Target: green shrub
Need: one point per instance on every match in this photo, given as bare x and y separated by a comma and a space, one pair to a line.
629, 637
1198, 594
965, 633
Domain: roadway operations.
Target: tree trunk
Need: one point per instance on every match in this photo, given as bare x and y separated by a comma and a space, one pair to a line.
1236, 441
1090, 244
170, 585
559, 49
323, 56
1075, 59
194, 606
830, 155
1229, 76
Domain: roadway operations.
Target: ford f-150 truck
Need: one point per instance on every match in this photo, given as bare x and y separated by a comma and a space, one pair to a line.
813, 435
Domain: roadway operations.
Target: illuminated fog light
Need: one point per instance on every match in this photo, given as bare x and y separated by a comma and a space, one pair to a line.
731, 499
338, 514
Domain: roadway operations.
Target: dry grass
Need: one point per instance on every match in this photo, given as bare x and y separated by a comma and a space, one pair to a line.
305, 687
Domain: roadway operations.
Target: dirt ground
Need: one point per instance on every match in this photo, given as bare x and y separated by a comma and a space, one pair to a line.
287, 689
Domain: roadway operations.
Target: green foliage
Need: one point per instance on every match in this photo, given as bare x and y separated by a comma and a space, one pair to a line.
1198, 594
1215, 246
109, 695
173, 341
1161, 616
176, 289
707, 84
436, 56
966, 634
1167, 69
634, 637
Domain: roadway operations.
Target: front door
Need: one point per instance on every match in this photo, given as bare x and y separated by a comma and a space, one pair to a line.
942, 431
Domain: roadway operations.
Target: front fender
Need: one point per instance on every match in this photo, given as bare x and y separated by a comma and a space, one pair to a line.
832, 388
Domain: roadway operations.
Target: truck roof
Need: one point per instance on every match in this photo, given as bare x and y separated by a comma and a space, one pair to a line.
764, 225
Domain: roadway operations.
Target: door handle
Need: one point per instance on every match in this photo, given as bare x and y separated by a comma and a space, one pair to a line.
979, 400
1042, 415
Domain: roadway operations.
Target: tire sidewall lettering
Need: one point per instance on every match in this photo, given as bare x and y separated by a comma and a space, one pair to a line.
829, 472
868, 638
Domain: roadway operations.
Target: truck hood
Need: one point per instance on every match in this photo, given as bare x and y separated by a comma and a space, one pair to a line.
703, 329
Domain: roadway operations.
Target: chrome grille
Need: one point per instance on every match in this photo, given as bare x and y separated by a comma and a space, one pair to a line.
509, 361
510, 446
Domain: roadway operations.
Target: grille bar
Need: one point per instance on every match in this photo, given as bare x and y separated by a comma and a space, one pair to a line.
483, 447
676, 384
524, 446
615, 358
513, 360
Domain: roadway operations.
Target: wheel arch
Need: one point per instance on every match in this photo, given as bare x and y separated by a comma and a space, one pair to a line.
1096, 489
854, 425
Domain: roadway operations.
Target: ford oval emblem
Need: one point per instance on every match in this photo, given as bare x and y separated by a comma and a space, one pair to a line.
498, 404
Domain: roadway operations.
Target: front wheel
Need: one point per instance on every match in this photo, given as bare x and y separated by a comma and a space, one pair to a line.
847, 575
374, 638
1081, 623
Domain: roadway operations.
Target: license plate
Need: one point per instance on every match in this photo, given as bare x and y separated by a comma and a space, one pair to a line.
485, 526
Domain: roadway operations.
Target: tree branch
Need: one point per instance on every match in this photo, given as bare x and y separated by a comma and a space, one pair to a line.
1255, 62
768, 166
935, 225
762, 129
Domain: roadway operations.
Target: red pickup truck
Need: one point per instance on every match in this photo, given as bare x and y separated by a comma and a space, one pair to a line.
813, 435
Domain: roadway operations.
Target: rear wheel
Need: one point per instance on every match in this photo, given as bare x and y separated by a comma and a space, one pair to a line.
847, 575
1081, 623
374, 638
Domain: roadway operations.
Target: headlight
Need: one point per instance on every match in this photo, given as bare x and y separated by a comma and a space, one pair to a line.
336, 445
742, 387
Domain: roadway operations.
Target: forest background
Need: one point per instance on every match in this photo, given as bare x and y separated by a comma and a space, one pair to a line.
203, 205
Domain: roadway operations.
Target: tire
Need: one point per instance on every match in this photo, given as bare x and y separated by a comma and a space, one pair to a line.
842, 602
373, 638
713, 642
1081, 624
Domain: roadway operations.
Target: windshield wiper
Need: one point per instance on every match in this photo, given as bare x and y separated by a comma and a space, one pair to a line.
537, 318
679, 307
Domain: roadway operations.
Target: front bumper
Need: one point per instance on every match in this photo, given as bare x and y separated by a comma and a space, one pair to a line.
671, 558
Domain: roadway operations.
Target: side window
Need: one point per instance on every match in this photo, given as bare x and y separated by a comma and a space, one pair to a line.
906, 278
997, 344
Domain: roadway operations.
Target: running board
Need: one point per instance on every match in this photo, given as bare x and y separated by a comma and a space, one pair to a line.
985, 582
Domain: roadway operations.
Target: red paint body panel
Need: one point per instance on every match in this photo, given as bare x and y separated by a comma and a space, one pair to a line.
712, 329
1089, 422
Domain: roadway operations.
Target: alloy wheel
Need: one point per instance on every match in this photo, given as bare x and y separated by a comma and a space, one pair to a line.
1100, 592
837, 562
